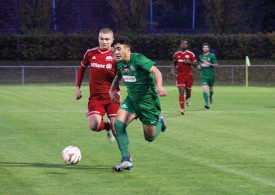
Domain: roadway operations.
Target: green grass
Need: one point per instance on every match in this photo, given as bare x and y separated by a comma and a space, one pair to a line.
228, 149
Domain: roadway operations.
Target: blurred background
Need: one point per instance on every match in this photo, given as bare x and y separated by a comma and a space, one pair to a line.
142, 16
43, 40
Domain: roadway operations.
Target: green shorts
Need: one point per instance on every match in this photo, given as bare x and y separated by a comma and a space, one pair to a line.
207, 81
146, 109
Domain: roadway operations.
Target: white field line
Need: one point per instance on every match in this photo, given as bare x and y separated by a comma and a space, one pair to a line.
231, 171
222, 168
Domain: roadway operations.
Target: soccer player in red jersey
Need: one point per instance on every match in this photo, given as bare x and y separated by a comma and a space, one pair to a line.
183, 61
102, 72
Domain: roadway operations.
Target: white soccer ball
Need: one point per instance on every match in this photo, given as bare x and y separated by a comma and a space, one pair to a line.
71, 155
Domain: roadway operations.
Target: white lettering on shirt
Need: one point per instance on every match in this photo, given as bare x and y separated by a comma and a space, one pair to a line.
96, 65
129, 78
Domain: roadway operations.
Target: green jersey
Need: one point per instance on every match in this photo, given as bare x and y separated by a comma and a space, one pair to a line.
208, 72
137, 77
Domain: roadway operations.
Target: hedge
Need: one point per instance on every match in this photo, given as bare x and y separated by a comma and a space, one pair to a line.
155, 46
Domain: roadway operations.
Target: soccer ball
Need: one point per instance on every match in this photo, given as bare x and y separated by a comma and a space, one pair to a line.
71, 155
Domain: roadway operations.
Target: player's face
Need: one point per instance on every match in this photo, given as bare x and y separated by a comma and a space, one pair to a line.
205, 49
122, 52
184, 45
105, 40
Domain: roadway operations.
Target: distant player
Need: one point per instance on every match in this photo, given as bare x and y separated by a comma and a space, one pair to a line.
183, 61
144, 83
207, 61
102, 72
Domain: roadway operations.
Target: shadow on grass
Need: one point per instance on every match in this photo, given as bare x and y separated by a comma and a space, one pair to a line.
58, 166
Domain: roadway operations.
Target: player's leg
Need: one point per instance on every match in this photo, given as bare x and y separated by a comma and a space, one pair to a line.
112, 109
181, 89
123, 119
211, 90
188, 89
95, 122
95, 114
149, 114
205, 89
125, 116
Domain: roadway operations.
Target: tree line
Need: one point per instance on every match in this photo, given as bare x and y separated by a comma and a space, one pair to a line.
219, 16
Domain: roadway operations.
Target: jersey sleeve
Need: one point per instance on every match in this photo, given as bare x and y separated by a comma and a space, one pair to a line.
214, 59
81, 71
144, 62
193, 58
85, 60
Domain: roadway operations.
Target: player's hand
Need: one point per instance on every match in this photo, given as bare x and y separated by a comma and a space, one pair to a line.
115, 96
173, 72
206, 63
186, 61
78, 95
161, 91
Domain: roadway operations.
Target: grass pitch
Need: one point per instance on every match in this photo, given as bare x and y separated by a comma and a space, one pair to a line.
228, 149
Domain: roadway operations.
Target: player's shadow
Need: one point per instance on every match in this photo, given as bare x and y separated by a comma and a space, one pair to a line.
57, 166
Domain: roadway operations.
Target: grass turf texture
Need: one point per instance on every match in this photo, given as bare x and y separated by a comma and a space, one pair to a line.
228, 149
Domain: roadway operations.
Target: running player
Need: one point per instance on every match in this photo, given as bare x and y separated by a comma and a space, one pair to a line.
144, 82
183, 61
102, 72
207, 61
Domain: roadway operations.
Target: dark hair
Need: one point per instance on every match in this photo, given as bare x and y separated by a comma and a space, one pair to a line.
123, 41
205, 44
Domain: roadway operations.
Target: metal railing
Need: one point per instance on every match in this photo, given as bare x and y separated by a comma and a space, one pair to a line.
225, 74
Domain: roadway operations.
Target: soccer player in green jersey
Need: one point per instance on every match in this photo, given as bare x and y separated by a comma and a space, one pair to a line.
144, 83
207, 61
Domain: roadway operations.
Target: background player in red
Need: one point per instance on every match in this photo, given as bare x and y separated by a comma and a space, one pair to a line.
181, 68
102, 72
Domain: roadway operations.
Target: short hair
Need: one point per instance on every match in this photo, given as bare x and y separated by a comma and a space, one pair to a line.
123, 41
184, 41
205, 44
106, 31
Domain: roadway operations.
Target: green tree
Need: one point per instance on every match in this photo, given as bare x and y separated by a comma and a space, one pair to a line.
34, 15
234, 16
130, 15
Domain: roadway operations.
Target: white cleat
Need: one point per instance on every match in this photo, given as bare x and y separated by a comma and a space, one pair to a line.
109, 132
110, 136
124, 165
188, 102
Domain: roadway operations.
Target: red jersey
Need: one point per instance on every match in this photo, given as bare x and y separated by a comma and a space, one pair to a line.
102, 71
182, 68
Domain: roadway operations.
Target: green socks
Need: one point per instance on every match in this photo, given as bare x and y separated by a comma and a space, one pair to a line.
122, 139
205, 97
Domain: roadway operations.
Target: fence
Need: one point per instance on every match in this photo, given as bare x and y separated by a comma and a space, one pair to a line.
259, 75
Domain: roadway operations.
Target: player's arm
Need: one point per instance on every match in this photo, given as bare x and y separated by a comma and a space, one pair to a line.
208, 64
192, 61
174, 68
113, 92
79, 79
158, 79
213, 62
189, 62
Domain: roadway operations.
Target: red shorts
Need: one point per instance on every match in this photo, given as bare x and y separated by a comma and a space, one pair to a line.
100, 107
184, 81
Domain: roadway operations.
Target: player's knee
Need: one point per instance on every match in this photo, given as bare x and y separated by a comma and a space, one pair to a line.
149, 139
93, 126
